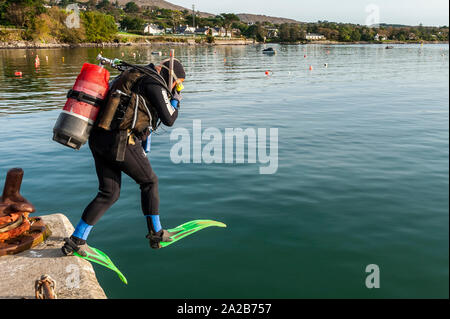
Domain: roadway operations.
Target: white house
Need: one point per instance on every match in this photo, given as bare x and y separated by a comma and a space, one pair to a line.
153, 29
272, 32
202, 31
220, 32
185, 30
214, 32
380, 37
315, 36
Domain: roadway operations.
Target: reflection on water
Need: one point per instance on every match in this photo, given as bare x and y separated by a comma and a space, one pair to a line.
44, 88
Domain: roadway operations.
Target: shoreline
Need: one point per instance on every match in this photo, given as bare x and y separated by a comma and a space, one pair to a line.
382, 42
35, 45
328, 42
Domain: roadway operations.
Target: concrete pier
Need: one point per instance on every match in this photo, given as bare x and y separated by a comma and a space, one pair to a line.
75, 278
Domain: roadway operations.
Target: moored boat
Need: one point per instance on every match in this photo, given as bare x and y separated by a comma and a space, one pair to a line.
269, 51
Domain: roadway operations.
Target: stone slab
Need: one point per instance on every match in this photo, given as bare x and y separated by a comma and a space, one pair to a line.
75, 278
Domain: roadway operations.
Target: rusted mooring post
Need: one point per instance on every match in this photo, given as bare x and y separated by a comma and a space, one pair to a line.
17, 231
11, 200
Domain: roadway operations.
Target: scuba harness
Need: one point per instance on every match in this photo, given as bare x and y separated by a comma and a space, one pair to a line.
125, 99
127, 111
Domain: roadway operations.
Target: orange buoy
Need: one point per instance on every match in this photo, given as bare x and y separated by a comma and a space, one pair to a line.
310, 68
224, 60
18, 73
37, 62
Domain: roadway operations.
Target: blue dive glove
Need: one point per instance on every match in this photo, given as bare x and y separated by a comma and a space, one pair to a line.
176, 99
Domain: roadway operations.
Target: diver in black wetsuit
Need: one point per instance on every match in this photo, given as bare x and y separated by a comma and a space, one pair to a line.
147, 102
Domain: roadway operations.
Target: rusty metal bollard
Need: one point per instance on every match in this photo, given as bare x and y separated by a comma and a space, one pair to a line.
17, 231
11, 200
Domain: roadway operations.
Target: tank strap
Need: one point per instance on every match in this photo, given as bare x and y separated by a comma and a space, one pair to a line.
148, 112
85, 98
136, 110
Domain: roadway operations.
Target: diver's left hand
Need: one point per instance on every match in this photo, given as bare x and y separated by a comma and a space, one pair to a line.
177, 96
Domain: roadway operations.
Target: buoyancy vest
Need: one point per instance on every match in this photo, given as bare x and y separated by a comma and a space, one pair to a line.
127, 108
127, 113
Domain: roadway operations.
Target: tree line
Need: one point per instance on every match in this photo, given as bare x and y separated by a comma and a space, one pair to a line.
99, 24
342, 32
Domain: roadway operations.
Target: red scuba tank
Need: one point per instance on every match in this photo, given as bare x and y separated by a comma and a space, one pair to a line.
75, 122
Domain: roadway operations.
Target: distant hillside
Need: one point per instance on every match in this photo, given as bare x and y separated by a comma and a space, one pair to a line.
162, 4
246, 18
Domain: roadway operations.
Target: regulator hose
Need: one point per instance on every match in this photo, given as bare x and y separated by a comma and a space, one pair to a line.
149, 72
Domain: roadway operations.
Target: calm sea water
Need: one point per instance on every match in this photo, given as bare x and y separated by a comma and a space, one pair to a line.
363, 172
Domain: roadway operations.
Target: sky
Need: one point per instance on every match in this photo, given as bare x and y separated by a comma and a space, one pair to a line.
409, 12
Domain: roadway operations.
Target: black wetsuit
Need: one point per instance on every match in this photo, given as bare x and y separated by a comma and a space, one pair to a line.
136, 164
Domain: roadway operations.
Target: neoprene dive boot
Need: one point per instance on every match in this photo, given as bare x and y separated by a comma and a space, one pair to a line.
75, 245
156, 238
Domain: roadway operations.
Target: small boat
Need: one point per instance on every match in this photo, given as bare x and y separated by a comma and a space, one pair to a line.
389, 47
157, 53
269, 51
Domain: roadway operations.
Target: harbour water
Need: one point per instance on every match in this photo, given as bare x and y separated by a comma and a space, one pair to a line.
363, 171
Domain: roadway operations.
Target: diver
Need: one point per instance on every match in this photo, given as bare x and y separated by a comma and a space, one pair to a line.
139, 101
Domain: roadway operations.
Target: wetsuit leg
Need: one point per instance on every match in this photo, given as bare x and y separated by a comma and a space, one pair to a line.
137, 166
109, 177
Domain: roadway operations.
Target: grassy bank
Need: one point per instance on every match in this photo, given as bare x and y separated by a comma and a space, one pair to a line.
121, 39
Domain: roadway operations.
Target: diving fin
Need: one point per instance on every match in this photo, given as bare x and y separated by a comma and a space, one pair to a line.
97, 256
188, 229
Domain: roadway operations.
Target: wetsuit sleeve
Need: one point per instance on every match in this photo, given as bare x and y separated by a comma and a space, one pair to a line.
159, 99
